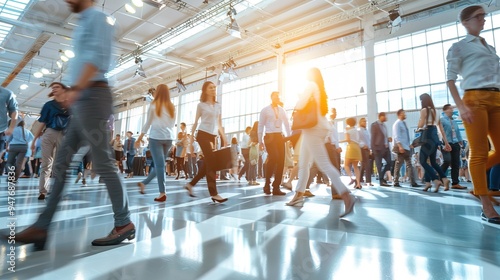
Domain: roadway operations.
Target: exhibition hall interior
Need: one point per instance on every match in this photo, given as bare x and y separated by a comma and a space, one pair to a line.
375, 56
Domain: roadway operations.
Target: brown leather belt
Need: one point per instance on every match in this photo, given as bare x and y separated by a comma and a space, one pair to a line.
102, 84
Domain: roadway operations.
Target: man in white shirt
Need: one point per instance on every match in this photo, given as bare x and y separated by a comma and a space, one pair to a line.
245, 151
273, 119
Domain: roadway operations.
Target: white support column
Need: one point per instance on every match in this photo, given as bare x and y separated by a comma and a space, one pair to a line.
368, 44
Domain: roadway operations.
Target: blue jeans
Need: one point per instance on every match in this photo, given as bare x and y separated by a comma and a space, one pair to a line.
428, 151
88, 126
159, 151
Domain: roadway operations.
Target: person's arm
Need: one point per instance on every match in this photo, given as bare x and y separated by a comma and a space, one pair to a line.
145, 127
198, 115
13, 123
423, 116
347, 138
447, 146
37, 132
260, 132
221, 131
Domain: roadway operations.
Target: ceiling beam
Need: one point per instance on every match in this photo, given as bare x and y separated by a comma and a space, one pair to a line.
35, 48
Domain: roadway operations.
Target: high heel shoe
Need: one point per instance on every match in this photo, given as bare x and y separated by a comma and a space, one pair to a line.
219, 200
437, 184
352, 181
349, 205
299, 202
161, 198
358, 187
189, 188
427, 187
141, 188
446, 182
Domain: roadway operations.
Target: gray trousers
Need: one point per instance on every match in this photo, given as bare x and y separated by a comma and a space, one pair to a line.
88, 126
51, 140
406, 158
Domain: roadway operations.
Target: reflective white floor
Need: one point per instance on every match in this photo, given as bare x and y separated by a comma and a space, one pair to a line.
398, 233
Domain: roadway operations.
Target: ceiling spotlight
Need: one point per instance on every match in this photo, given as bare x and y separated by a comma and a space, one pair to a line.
129, 9
38, 75
234, 29
140, 71
180, 85
205, 1
23, 87
231, 62
44, 71
69, 53
111, 20
137, 3
138, 60
59, 64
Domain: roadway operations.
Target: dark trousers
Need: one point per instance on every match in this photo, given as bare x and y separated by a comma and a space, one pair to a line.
379, 155
16, 158
275, 147
207, 141
130, 163
366, 165
452, 158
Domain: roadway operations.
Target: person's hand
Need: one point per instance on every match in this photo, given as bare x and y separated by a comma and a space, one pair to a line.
71, 97
447, 147
261, 146
137, 144
466, 114
389, 139
401, 150
339, 150
9, 131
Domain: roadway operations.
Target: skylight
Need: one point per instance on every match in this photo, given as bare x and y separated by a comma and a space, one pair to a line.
11, 9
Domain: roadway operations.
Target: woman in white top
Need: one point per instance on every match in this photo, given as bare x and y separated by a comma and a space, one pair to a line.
313, 148
208, 114
161, 119
478, 64
353, 153
430, 121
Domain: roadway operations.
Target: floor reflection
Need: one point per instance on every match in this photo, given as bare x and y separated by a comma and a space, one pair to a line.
394, 234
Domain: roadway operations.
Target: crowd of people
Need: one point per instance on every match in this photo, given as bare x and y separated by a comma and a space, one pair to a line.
79, 116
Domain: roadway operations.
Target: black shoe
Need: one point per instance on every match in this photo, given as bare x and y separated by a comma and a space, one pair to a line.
277, 191
495, 220
383, 183
267, 189
415, 185
41, 196
116, 237
396, 185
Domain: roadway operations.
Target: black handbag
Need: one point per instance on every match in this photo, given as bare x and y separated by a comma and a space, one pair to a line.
422, 138
306, 117
222, 159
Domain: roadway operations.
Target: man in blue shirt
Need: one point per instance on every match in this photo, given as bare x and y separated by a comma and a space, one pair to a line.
455, 140
90, 103
54, 118
402, 148
8, 107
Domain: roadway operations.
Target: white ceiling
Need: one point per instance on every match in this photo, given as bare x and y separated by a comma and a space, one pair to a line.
264, 23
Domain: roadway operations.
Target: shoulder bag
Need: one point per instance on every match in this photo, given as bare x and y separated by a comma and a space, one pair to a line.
421, 139
306, 117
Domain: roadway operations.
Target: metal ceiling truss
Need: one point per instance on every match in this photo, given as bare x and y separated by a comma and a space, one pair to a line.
357, 12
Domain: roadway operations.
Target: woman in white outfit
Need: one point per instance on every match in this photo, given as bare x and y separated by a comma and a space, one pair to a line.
313, 148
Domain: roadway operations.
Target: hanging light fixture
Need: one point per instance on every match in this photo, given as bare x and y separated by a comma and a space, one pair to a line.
38, 74
129, 9
45, 71
69, 53
138, 3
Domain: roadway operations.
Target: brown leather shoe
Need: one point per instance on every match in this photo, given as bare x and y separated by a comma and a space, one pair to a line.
458, 187
116, 237
32, 235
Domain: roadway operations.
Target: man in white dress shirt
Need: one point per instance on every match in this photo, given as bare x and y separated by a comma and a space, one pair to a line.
273, 119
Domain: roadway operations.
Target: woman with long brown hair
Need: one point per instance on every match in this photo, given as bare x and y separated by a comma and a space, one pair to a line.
478, 64
313, 148
161, 119
208, 114
430, 122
